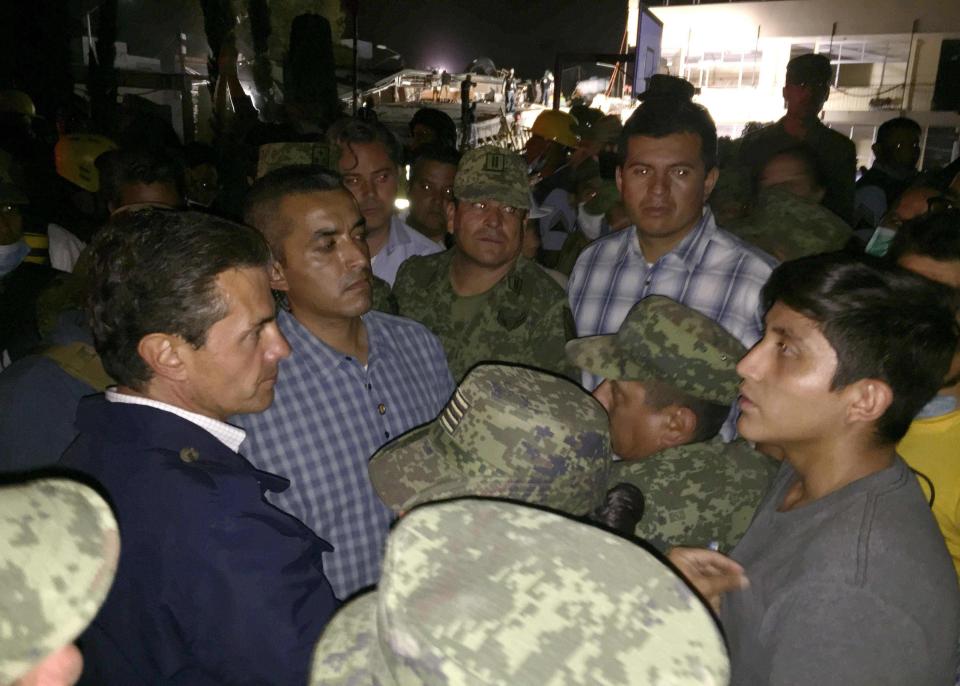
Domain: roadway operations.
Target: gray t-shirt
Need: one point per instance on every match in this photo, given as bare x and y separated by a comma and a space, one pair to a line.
855, 588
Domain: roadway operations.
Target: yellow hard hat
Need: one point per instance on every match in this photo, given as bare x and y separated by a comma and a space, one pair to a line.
76, 155
17, 102
555, 125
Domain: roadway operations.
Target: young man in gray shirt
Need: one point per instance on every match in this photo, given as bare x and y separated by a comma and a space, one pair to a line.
843, 576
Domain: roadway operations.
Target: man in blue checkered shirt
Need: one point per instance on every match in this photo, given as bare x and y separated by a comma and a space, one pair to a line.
668, 158
355, 379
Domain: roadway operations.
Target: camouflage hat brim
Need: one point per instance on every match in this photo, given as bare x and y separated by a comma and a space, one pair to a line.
59, 545
514, 197
602, 356
401, 470
348, 648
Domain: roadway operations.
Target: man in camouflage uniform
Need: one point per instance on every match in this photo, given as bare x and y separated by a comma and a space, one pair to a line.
59, 545
479, 591
482, 298
508, 432
670, 378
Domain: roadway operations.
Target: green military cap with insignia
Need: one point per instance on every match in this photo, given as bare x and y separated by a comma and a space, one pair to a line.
662, 340
489, 592
508, 432
492, 173
59, 544
276, 155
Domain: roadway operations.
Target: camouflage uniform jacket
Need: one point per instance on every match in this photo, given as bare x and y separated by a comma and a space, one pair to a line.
698, 493
525, 321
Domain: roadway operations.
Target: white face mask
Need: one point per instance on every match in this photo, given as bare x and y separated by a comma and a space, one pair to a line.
590, 224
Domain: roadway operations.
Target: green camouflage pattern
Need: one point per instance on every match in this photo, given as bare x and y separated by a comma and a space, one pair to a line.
526, 319
380, 297
507, 432
492, 173
699, 493
607, 196
788, 226
483, 592
276, 155
59, 545
662, 340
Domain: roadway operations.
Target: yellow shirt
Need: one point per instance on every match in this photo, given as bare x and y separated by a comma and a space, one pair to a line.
932, 448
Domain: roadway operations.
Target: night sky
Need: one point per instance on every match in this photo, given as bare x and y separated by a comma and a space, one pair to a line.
525, 35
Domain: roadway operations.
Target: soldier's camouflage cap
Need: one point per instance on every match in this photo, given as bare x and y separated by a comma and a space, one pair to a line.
662, 340
276, 155
59, 545
488, 592
508, 432
492, 173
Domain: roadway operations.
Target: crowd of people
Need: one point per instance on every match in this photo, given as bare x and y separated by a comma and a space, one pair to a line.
630, 405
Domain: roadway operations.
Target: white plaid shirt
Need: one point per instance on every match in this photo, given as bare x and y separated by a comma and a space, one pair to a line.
329, 416
710, 271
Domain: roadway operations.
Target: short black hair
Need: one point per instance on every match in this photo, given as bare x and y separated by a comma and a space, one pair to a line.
262, 202
935, 235
119, 168
155, 271
710, 416
346, 132
664, 116
883, 322
439, 121
897, 124
432, 152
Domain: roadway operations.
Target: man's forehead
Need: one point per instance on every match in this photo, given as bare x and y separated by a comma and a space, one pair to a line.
365, 156
332, 208
783, 318
685, 145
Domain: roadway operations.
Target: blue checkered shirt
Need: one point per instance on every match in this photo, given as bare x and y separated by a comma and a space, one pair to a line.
710, 271
329, 416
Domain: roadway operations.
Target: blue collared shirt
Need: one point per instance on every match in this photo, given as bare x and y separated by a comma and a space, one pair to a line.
403, 242
329, 416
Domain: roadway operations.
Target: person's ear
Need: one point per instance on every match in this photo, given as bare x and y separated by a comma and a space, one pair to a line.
709, 181
451, 215
679, 426
278, 277
869, 399
161, 353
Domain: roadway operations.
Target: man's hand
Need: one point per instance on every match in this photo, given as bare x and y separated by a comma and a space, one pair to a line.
710, 572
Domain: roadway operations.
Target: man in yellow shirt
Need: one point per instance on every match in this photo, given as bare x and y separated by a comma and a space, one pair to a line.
930, 246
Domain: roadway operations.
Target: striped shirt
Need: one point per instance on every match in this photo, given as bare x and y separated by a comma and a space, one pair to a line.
328, 417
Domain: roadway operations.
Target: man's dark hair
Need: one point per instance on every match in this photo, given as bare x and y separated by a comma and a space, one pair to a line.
122, 167
155, 271
710, 416
347, 132
883, 322
261, 207
659, 117
891, 126
622, 509
439, 121
432, 152
935, 235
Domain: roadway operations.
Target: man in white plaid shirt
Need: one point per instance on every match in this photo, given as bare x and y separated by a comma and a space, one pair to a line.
355, 378
668, 153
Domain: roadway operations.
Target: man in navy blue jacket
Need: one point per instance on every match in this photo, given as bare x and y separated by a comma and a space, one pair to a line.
214, 584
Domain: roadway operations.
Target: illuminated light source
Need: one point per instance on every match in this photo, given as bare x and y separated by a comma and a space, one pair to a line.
401, 203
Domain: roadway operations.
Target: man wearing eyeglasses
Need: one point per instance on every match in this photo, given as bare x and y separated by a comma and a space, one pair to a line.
482, 298
806, 90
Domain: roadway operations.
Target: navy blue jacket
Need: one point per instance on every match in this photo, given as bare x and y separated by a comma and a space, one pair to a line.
215, 585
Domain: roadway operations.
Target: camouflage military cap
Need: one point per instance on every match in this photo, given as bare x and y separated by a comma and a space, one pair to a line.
788, 227
492, 173
488, 592
58, 553
662, 340
508, 432
276, 155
